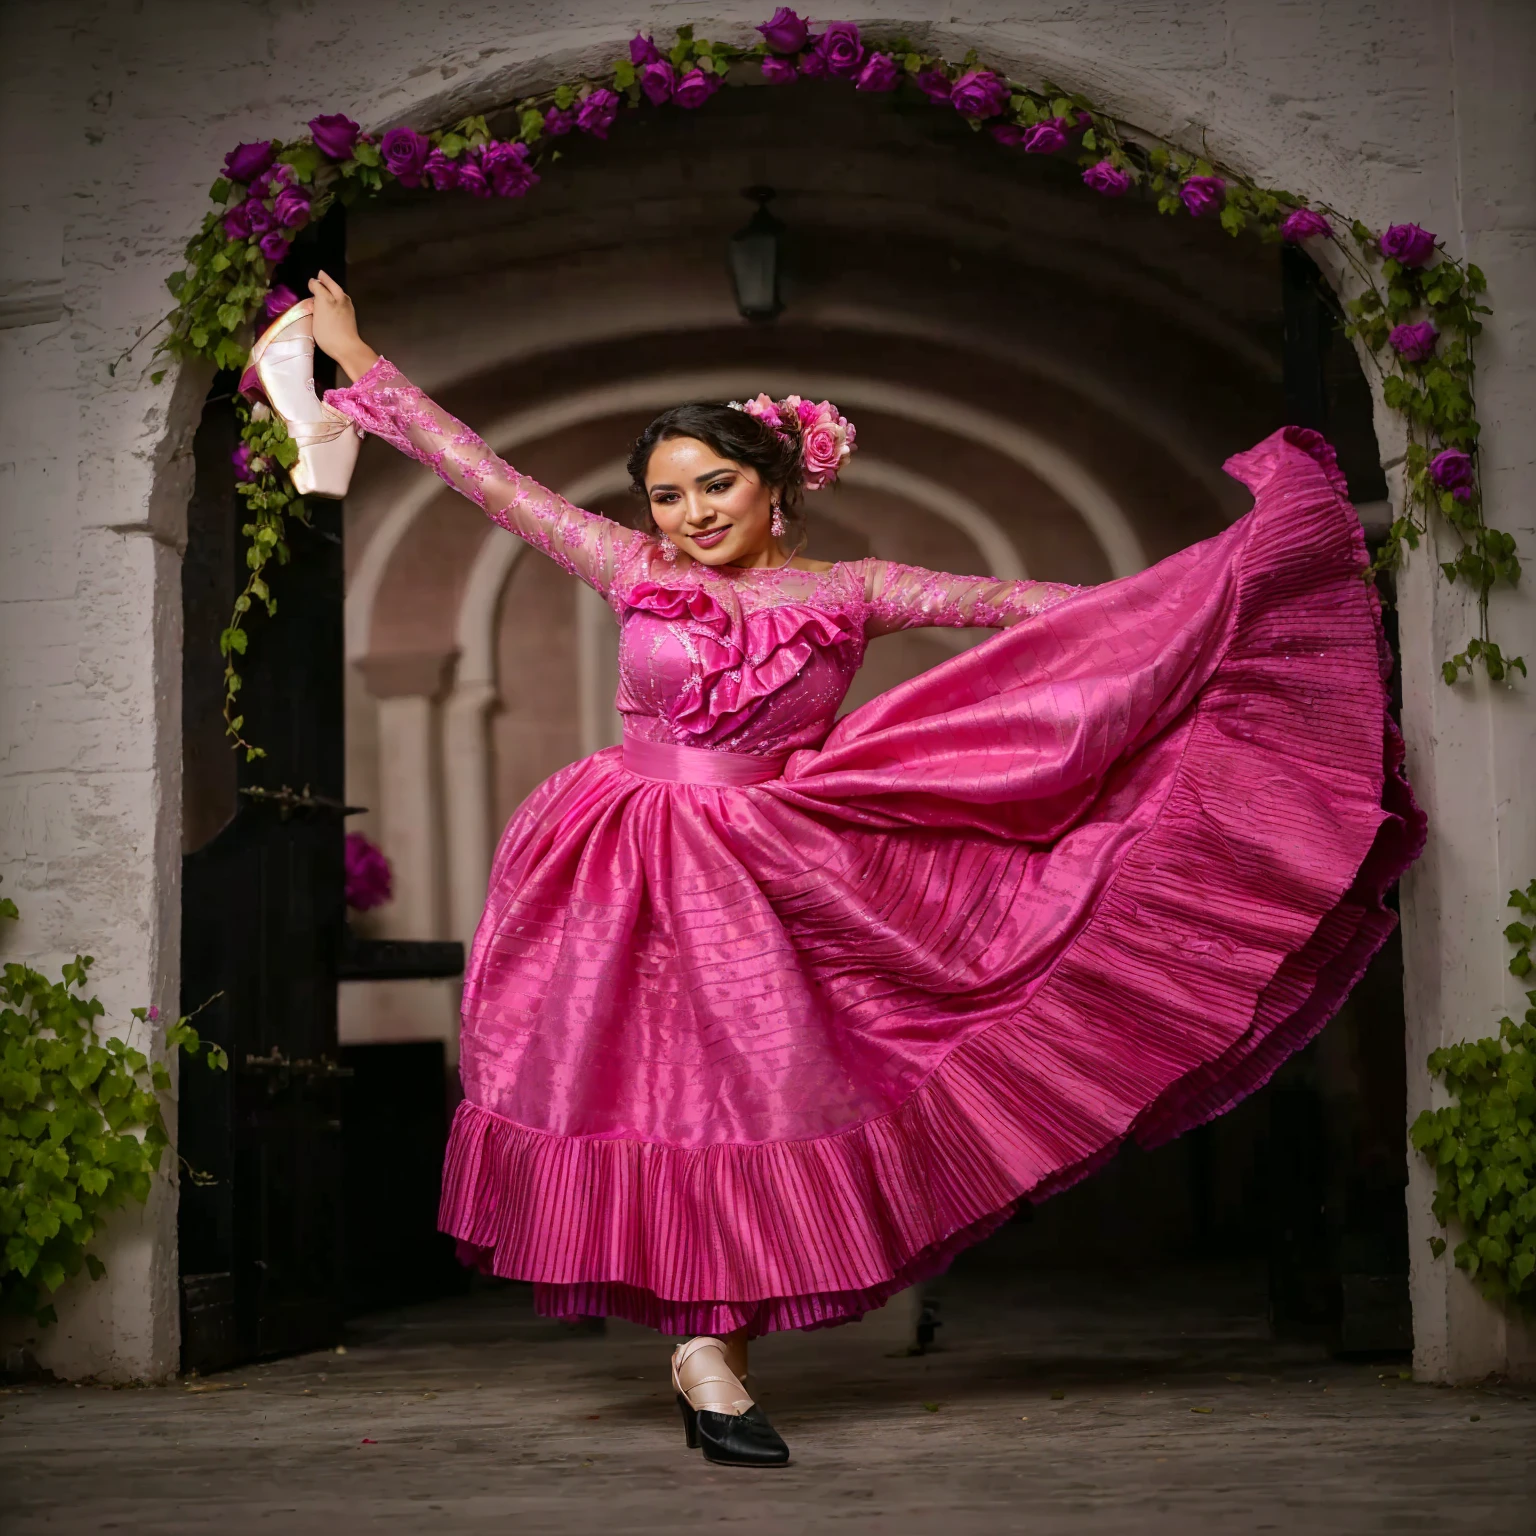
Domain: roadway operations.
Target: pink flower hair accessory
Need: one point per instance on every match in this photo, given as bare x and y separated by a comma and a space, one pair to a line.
826, 437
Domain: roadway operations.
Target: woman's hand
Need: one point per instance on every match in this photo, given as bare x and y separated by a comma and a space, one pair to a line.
336, 329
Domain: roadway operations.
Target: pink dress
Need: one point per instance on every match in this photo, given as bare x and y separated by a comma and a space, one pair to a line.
768, 1017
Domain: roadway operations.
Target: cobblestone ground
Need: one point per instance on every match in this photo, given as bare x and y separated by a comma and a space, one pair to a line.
1056, 1404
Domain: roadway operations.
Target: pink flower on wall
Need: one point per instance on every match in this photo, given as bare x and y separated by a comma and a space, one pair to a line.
370, 881
1304, 224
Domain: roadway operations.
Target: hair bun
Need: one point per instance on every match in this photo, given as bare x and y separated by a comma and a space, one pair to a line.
824, 437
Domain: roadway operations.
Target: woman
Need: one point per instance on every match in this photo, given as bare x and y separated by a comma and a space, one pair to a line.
767, 1018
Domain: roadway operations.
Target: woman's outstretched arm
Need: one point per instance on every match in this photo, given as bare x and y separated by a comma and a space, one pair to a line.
909, 597
381, 400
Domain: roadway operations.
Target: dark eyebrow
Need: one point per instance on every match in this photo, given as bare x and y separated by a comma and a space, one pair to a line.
704, 479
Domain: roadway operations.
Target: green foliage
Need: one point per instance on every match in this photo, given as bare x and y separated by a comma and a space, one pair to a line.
80, 1127
1483, 1145
219, 293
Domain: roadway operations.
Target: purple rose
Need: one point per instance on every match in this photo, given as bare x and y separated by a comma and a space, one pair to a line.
813, 62
658, 80
441, 173
272, 181
247, 161
643, 50
695, 88
1451, 470
278, 302
1303, 224
405, 153
784, 32
880, 73
1408, 245
1202, 194
241, 459
291, 208
237, 222
596, 114
1009, 135
509, 169
335, 135
842, 48
472, 177
933, 83
258, 217
559, 121
1046, 138
1413, 343
1105, 177
369, 879
979, 93
777, 71
274, 244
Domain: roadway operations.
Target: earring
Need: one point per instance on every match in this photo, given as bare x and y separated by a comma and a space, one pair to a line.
776, 522
669, 551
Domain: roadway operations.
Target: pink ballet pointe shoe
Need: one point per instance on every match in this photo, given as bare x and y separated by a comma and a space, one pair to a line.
281, 371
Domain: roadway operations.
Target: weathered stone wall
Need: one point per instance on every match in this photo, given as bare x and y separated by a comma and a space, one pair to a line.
114, 120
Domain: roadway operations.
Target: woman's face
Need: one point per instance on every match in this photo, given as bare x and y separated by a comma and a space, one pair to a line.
712, 508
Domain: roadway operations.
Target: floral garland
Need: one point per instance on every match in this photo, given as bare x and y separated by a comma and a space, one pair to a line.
1417, 310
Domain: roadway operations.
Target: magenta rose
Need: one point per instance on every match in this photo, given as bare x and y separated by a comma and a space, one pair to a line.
369, 879
1304, 224
335, 135
643, 50
933, 83
1451, 470
274, 244
237, 222
595, 115
247, 161
258, 217
509, 169
695, 88
1408, 245
472, 177
291, 208
1046, 138
842, 48
658, 80
1203, 194
273, 180
784, 31
278, 302
979, 93
880, 73
241, 458
813, 62
777, 71
1009, 135
405, 153
559, 121
1106, 178
1413, 343
441, 173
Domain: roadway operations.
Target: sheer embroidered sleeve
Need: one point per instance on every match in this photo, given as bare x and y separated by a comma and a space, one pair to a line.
386, 403
908, 597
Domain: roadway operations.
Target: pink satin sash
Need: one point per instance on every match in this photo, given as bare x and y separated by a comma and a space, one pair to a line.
697, 765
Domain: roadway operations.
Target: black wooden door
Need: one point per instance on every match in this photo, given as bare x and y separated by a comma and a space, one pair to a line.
263, 918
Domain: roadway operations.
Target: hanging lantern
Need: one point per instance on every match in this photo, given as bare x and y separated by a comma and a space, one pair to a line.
754, 253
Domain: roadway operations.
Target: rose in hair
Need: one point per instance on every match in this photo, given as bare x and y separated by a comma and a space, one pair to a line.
335, 135
766, 411
658, 80
405, 152
784, 31
597, 111
1304, 224
245, 162
1106, 178
1409, 245
1203, 194
826, 442
979, 93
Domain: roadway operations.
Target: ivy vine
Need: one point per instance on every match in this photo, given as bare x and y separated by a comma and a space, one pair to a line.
1483, 1145
1417, 312
81, 1128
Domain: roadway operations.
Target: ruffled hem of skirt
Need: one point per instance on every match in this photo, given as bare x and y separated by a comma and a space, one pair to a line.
1142, 1029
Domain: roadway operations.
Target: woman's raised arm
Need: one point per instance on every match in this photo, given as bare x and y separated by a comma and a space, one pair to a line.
909, 597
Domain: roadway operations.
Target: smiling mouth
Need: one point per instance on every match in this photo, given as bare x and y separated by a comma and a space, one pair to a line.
710, 539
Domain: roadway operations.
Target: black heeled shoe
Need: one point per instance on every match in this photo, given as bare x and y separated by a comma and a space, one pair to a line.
741, 1439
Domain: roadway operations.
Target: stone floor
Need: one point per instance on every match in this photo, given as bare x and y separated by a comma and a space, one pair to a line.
1054, 1404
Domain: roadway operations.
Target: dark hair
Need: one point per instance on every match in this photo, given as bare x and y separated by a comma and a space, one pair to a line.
736, 436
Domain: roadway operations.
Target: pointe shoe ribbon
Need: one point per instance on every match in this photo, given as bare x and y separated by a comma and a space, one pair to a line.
281, 371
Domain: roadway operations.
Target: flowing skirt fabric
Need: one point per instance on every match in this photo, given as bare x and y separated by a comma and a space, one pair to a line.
764, 1056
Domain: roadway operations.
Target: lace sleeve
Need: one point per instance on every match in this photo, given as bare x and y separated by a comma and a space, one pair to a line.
387, 404
908, 597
